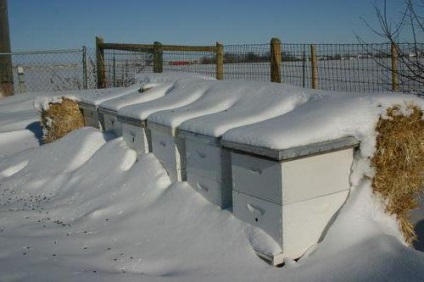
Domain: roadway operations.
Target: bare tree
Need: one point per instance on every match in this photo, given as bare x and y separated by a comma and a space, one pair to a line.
408, 26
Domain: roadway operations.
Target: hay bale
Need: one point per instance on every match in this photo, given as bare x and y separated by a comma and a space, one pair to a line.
60, 118
399, 164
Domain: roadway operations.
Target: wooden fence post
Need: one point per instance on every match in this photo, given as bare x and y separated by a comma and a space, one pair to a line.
84, 68
219, 61
6, 67
314, 66
394, 55
100, 61
157, 57
275, 60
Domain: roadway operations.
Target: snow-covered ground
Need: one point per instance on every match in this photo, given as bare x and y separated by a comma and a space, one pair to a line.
87, 208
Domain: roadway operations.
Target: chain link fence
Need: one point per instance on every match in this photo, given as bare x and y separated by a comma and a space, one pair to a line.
339, 67
52, 70
121, 66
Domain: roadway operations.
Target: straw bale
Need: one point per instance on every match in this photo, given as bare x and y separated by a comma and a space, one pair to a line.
60, 119
399, 164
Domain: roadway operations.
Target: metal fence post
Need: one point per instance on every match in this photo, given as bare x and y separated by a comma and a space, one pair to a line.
21, 79
275, 60
394, 55
304, 69
157, 57
100, 60
219, 61
314, 67
114, 71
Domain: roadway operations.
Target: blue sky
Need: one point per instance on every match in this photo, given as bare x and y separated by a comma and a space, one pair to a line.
55, 24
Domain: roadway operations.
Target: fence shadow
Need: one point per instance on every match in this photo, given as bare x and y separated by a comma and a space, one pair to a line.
419, 243
36, 128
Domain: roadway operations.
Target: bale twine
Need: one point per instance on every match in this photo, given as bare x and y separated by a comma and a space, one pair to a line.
61, 118
399, 164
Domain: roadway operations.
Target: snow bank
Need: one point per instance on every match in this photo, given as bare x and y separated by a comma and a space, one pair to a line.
86, 208
78, 215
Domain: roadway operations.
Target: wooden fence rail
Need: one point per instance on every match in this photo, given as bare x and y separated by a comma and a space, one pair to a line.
275, 59
157, 50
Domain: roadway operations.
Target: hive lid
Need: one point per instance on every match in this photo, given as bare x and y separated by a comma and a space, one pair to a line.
172, 131
104, 110
197, 137
87, 106
132, 121
294, 152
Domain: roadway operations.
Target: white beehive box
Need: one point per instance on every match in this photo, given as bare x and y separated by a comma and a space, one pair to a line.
135, 134
291, 194
208, 168
133, 117
90, 114
208, 164
169, 149
150, 89
90, 100
109, 120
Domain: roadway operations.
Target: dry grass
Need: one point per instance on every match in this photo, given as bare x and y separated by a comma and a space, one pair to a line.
60, 119
399, 165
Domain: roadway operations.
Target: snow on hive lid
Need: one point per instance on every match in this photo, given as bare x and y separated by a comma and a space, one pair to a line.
97, 96
218, 98
260, 101
152, 86
91, 97
183, 92
321, 120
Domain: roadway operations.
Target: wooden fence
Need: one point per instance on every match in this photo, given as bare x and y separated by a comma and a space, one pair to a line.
276, 59
157, 49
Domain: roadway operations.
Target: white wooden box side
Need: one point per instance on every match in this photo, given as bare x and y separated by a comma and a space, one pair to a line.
316, 176
137, 138
168, 149
207, 159
292, 181
217, 192
296, 227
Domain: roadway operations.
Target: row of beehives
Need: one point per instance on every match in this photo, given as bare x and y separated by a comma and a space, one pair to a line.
291, 194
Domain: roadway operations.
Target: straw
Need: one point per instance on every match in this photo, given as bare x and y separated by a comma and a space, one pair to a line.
399, 164
60, 119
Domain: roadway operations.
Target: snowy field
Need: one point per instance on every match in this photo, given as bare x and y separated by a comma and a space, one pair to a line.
88, 208
340, 75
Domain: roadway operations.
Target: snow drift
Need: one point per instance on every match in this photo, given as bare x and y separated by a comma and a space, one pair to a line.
87, 208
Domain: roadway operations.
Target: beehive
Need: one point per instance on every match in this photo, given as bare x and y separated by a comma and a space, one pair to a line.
135, 134
109, 120
291, 194
208, 168
91, 116
169, 149
90, 101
